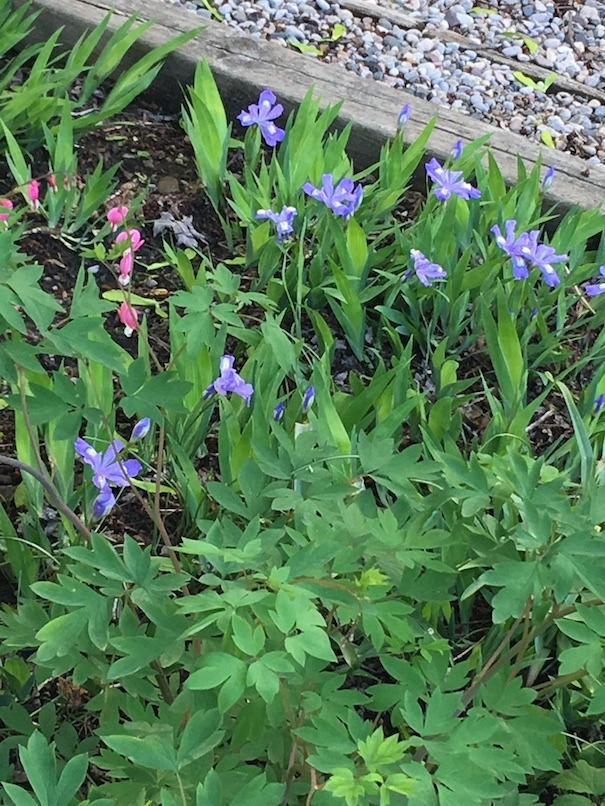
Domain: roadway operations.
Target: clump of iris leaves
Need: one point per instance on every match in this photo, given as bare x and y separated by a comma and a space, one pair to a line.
369, 461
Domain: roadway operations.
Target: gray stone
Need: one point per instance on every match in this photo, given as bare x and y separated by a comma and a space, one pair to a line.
425, 45
555, 123
392, 41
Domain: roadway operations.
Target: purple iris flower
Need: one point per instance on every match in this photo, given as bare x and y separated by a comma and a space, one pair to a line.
513, 247
263, 114
141, 429
230, 381
525, 250
457, 149
425, 270
343, 199
308, 399
103, 504
278, 411
542, 256
107, 471
594, 289
282, 221
598, 404
548, 178
404, 116
449, 182
106, 468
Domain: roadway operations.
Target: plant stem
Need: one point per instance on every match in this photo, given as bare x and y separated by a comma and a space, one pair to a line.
51, 490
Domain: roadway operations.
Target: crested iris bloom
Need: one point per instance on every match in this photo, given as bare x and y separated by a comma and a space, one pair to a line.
594, 289
525, 250
106, 468
425, 270
449, 183
548, 178
308, 399
404, 116
343, 199
457, 149
262, 115
103, 504
541, 256
513, 246
230, 381
282, 221
141, 429
598, 404
107, 472
278, 411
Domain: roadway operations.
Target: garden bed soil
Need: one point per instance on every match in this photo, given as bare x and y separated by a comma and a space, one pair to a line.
158, 161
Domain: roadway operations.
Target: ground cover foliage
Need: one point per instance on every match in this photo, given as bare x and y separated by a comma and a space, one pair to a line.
326, 526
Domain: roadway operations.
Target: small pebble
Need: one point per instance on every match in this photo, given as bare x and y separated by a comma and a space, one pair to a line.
422, 61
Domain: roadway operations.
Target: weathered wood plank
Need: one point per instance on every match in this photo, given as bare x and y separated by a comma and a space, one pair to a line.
361, 8
243, 65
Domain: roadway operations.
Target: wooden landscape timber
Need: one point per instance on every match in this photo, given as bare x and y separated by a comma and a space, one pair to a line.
363, 8
243, 66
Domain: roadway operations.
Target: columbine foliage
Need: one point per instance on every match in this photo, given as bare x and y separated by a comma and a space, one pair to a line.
368, 565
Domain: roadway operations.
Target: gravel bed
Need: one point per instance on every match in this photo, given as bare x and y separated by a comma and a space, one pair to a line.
567, 38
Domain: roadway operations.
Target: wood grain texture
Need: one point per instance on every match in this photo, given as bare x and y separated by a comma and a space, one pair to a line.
362, 8
244, 65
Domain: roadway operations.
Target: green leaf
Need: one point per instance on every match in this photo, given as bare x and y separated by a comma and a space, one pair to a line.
338, 31
597, 704
547, 138
517, 581
19, 796
250, 642
582, 778
71, 778
580, 433
304, 48
315, 642
155, 752
284, 616
115, 295
201, 735
39, 763
264, 679
216, 668
279, 343
59, 635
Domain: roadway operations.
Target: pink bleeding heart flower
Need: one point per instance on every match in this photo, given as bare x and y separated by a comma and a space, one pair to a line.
5, 205
52, 183
115, 216
134, 236
126, 264
33, 192
129, 317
